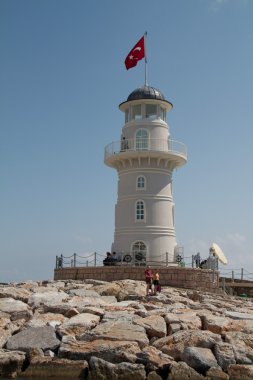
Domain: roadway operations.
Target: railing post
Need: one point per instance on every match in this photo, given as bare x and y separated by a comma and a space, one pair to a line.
167, 259
56, 262
233, 276
242, 274
95, 259
74, 263
223, 284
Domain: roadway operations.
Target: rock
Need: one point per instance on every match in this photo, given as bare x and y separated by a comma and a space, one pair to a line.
102, 370
15, 293
154, 325
48, 297
173, 328
38, 337
224, 353
122, 289
201, 359
4, 336
153, 376
181, 371
236, 315
215, 373
16, 309
118, 331
11, 363
154, 360
116, 315
83, 292
242, 344
113, 322
71, 312
46, 367
216, 324
81, 303
78, 324
109, 350
40, 320
174, 345
93, 310
240, 372
188, 320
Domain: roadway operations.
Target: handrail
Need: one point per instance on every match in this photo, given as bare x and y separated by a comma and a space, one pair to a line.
133, 259
146, 144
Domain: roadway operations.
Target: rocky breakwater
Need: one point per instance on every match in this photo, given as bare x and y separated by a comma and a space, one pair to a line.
110, 330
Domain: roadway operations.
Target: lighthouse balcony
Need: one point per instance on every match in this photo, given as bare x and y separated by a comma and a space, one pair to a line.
128, 149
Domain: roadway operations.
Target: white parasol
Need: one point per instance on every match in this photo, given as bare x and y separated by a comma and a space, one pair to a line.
217, 251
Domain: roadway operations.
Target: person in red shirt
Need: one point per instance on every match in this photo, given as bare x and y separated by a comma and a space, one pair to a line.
149, 280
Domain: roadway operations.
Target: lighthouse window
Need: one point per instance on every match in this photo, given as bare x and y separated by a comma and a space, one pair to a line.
141, 183
140, 210
151, 111
136, 112
163, 113
127, 115
141, 142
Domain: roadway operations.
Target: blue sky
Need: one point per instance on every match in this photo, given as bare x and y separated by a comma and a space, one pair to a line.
62, 77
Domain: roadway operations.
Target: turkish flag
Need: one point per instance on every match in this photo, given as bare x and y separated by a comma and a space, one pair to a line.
136, 54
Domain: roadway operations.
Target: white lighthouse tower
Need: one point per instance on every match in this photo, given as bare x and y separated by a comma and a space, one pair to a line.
145, 158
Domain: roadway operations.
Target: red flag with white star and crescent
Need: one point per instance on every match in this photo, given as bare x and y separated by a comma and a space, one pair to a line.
136, 54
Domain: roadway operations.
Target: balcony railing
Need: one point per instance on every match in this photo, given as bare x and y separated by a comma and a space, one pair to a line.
145, 144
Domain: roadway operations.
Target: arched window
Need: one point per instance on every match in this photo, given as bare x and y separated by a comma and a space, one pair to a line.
141, 183
139, 250
141, 139
140, 211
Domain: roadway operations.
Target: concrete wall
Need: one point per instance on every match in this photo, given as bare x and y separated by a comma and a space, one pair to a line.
189, 278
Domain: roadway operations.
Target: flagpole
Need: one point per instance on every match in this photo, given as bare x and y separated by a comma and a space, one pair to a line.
145, 50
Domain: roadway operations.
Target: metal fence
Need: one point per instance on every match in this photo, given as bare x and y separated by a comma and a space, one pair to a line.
137, 259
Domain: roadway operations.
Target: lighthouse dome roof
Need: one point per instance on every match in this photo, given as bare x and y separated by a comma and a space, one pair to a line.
146, 92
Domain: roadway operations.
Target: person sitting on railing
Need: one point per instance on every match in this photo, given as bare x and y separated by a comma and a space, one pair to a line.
108, 260
124, 144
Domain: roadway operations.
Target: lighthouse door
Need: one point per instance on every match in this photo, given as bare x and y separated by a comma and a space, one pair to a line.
139, 252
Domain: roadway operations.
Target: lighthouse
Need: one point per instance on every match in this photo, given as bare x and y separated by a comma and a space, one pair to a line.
145, 157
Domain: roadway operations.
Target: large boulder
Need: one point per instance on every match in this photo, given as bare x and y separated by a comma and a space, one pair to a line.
34, 337
154, 360
201, 359
240, 372
47, 298
114, 351
175, 344
40, 320
78, 324
11, 363
118, 331
154, 325
102, 370
16, 309
188, 320
181, 370
224, 353
47, 367
243, 346
14, 292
